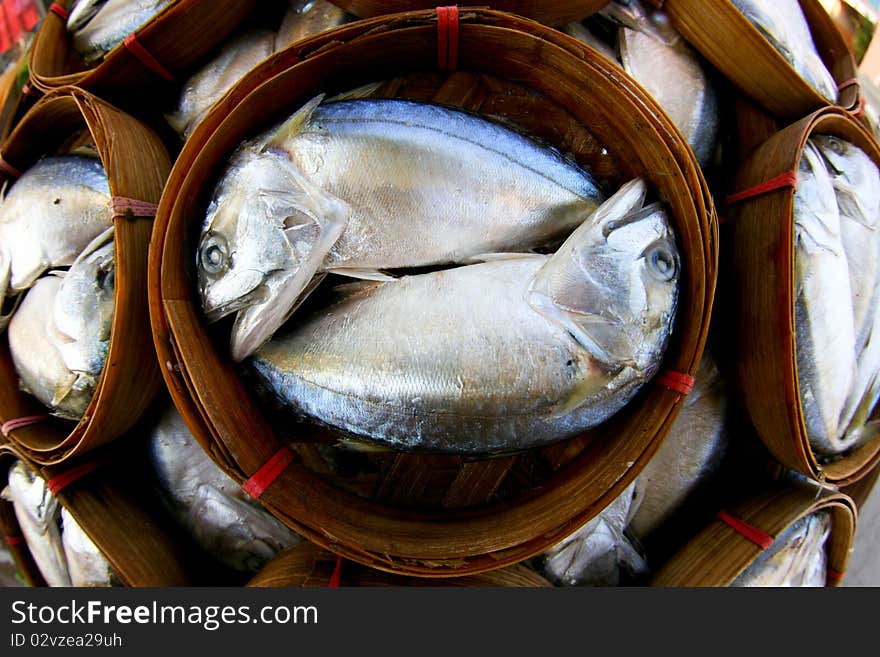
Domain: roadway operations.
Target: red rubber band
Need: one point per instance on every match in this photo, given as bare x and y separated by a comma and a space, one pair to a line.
336, 577
447, 38
847, 83
787, 179
834, 576
145, 58
58, 10
131, 207
11, 425
863, 103
268, 473
7, 168
61, 481
677, 381
760, 538
28, 90
12, 541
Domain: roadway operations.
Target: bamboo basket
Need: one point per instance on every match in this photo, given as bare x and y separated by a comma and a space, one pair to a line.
423, 515
177, 38
16, 96
718, 553
735, 47
549, 13
763, 276
12, 534
307, 566
137, 164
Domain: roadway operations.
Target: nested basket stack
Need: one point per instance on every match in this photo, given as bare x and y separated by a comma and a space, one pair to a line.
726, 547
548, 13
412, 514
136, 164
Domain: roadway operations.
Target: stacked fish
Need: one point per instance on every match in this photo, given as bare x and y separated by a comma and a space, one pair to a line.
63, 552
518, 349
56, 260
837, 209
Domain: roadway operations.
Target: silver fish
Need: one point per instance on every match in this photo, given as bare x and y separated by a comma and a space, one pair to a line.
510, 353
60, 335
637, 16
109, 24
82, 12
227, 523
354, 186
305, 18
86, 564
824, 325
49, 216
212, 81
782, 23
37, 513
797, 557
690, 454
599, 553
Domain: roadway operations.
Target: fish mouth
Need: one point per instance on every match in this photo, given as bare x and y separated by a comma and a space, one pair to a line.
214, 313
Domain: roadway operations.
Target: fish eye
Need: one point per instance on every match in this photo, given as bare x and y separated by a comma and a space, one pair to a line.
212, 254
662, 262
837, 146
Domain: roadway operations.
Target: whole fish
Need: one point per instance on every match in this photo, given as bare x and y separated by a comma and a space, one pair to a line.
37, 513
824, 325
49, 216
96, 30
689, 457
599, 553
511, 353
795, 559
783, 24
60, 334
227, 523
307, 17
359, 185
86, 564
213, 80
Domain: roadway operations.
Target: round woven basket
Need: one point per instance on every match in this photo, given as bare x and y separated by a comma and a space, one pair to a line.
719, 553
549, 13
137, 165
719, 31
306, 566
416, 514
16, 96
763, 277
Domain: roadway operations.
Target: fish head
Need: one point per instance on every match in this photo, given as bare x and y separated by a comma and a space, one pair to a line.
614, 283
855, 178
267, 231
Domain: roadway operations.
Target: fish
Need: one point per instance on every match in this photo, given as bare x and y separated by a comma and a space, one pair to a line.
513, 352
236, 529
86, 563
638, 16
305, 18
96, 28
48, 217
356, 186
824, 324
690, 456
37, 512
60, 335
795, 559
599, 553
585, 33
783, 24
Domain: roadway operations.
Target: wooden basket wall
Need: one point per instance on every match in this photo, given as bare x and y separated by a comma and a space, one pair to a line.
467, 528
549, 13
307, 566
137, 165
719, 31
763, 277
718, 553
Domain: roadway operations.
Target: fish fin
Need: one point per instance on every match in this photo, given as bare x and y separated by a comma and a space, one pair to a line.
361, 273
94, 245
63, 389
498, 257
364, 91
588, 389
292, 126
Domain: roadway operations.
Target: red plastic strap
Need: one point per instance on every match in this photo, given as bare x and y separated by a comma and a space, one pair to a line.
130, 207
61, 481
11, 425
863, 103
7, 168
28, 90
58, 10
336, 577
787, 179
263, 478
681, 383
447, 38
833, 576
12, 541
847, 83
760, 538
136, 49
